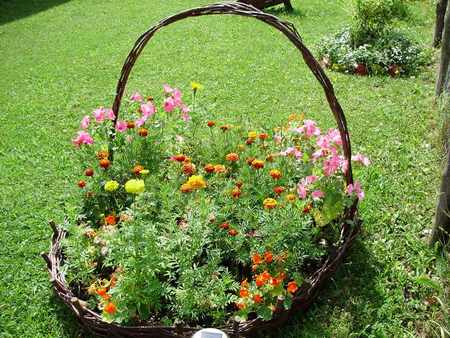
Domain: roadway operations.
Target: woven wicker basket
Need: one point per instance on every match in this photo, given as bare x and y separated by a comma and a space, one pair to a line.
306, 294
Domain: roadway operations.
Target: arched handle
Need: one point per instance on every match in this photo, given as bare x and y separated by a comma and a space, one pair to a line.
242, 9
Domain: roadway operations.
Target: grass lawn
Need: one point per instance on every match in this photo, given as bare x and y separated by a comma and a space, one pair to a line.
61, 59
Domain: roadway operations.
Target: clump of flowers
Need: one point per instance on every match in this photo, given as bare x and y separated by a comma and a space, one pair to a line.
186, 217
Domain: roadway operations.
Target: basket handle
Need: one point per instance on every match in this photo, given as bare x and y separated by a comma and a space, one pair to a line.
242, 9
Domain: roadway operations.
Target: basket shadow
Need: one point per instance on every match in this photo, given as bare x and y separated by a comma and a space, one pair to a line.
11, 10
354, 279
69, 324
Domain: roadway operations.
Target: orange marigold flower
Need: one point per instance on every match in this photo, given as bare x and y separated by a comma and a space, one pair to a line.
236, 193
292, 287
291, 197
102, 154
307, 209
257, 298
142, 132
278, 190
249, 141
110, 308
275, 174
130, 125
257, 259
186, 188
209, 168
266, 275
110, 219
243, 293
275, 281
258, 164
260, 281
219, 169
241, 305
189, 169
263, 136
180, 158
211, 124
232, 157
137, 169
232, 232
270, 203
268, 257
103, 293
105, 163
225, 226
89, 172
81, 184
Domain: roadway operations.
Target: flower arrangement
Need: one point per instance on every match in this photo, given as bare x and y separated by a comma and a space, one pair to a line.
183, 218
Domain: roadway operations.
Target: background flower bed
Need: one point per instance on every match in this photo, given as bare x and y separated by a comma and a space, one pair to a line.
67, 58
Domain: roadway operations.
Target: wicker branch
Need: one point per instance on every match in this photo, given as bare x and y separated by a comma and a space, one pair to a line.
350, 224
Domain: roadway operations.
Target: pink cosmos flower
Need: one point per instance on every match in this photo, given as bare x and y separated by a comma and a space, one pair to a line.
82, 138
176, 96
141, 121
169, 104
317, 195
99, 114
85, 122
310, 128
121, 126
344, 164
185, 113
110, 114
334, 136
292, 151
331, 165
323, 142
136, 97
355, 188
364, 160
302, 191
167, 89
148, 109
310, 179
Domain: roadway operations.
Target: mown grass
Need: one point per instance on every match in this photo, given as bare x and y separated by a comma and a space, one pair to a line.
60, 59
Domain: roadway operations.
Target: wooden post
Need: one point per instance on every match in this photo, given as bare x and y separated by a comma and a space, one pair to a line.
440, 15
441, 228
444, 71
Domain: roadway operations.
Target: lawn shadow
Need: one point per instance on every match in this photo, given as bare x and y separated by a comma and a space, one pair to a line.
69, 323
354, 279
282, 11
11, 10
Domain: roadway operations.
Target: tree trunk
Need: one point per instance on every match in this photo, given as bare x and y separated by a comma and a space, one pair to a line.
441, 228
444, 71
440, 15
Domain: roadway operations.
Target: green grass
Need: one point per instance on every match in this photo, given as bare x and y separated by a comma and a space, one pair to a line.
61, 59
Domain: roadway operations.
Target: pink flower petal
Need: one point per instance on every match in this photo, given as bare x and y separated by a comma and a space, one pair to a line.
136, 97
85, 122
121, 126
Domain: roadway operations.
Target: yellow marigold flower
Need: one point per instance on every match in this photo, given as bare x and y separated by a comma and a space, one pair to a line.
258, 164
145, 172
196, 86
252, 134
186, 188
111, 186
196, 182
135, 186
291, 197
270, 203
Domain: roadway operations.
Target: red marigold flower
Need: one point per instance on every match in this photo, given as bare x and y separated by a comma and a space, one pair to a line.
110, 219
232, 157
236, 192
258, 164
102, 292
240, 305
224, 226
180, 158
275, 174
232, 232
257, 259
268, 257
249, 141
81, 184
189, 169
243, 293
266, 275
209, 168
249, 160
137, 169
275, 281
257, 298
89, 172
278, 190
143, 132
239, 184
263, 136
307, 209
105, 163
260, 281
130, 125
110, 308
211, 124
292, 287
